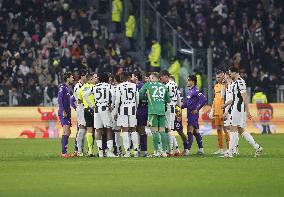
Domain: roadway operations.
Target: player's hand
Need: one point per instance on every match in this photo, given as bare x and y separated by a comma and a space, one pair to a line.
115, 117
64, 114
179, 118
249, 116
211, 114
194, 111
225, 116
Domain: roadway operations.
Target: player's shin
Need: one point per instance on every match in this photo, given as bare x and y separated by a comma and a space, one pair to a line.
79, 139
117, 140
220, 138
90, 141
164, 141
170, 142
198, 137
250, 139
135, 141
190, 140
65, 137
156, 140
232, 143
175, 144
64, 143
227, 139
76, 142
143, 144
109, 139
126, 144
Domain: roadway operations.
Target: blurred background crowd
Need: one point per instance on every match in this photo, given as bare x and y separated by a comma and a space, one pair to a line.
41, 39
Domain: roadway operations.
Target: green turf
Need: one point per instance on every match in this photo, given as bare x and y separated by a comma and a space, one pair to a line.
33, 168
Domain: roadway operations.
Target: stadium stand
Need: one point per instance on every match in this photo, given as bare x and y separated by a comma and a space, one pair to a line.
40, 40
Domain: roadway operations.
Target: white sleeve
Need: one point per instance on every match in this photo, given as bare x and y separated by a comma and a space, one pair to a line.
75, 94
112, 92
242, 86
117, 99
137, 97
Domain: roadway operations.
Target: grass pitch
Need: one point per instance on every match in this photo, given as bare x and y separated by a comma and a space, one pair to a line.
34, 168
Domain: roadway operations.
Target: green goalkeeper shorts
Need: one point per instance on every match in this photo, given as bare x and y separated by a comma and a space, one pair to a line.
155, 120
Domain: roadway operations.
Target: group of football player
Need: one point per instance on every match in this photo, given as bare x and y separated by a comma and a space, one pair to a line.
117, 111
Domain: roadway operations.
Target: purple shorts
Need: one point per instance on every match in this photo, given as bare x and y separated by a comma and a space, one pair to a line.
65, 121
142, 117
192, 120
178, 126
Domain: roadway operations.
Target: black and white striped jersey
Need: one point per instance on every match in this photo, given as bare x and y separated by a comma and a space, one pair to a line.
126, 98
77, 87
227, 95
238, 87
103, 94
174, 95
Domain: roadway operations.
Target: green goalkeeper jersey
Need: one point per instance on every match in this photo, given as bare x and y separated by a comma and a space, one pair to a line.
157, 96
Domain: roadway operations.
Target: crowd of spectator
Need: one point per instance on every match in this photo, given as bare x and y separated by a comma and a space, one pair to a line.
41, 39
248, 34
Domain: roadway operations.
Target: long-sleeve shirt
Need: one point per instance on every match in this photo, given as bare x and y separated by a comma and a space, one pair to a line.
63, 99
157, 96
73, 101
195, 100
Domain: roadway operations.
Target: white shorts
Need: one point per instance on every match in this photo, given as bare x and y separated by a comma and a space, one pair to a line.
238, 119
80, 115
170, 120
102, 120
126, 121
227, 122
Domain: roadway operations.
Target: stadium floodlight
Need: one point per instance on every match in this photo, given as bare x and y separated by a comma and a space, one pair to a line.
186, 51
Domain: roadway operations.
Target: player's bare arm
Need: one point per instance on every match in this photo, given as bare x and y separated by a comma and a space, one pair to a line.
245, 99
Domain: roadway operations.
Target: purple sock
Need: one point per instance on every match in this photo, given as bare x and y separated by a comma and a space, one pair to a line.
64, 142
143, 142
104, 141
185, 145
198, 139
190, 140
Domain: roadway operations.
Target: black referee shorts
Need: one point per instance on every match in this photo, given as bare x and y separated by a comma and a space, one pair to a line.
89, 117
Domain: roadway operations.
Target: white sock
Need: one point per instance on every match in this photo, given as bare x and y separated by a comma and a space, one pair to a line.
126, 140
237, 143
110, 145
160, 144
232, 142
176, 143
250, 139
135, 140
117, 139
99, 144
170, 141
80, 139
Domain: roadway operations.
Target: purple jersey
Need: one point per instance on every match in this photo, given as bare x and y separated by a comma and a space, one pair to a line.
72, 102
63, 100
195, 100
142, 111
